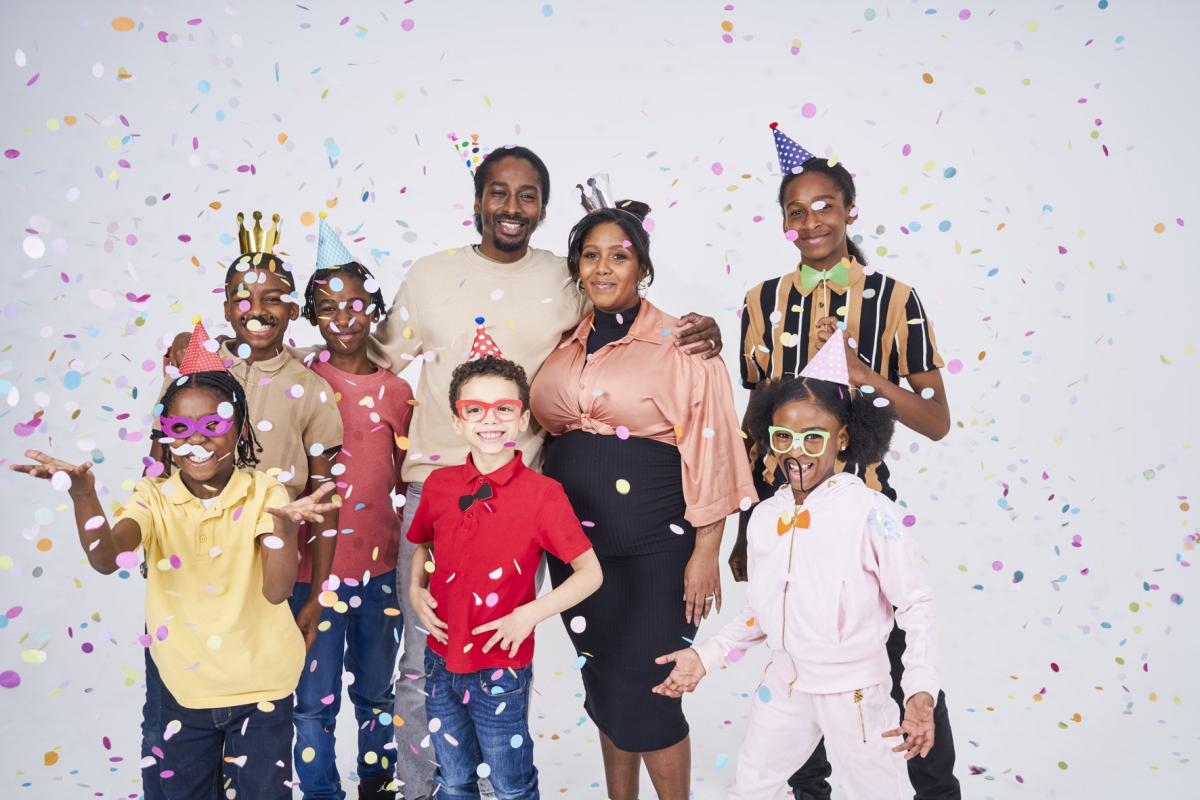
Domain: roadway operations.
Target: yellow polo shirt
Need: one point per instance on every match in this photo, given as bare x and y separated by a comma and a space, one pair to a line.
215, 639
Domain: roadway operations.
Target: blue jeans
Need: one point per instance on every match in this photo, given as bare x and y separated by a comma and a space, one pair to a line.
481, 718
152, 732
259, 742
366, 640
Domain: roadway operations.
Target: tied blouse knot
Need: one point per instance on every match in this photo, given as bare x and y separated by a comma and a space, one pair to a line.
624, 371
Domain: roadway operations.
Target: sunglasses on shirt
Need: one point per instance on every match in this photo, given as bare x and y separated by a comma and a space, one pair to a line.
812, 443
183, 427
475, 410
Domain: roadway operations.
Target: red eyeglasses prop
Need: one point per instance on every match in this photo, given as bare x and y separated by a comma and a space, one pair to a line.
475, 410
183, 427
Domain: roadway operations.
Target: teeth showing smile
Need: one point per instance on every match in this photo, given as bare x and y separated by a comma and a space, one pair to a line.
195, 459
490, 436
510, 228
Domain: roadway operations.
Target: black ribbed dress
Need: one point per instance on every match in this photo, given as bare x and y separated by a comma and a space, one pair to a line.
638, 612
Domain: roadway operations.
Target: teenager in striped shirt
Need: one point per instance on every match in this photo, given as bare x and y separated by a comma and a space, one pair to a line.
786, 320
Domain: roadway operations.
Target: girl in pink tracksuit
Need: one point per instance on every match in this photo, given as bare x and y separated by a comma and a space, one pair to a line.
828, 561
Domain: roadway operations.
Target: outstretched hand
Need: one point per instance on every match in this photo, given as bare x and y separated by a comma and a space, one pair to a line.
917, 727
686, 674
82, 480
306, 509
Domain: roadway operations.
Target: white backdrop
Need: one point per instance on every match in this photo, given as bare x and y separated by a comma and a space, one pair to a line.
1054, 272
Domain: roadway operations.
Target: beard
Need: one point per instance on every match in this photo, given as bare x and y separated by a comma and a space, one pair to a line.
506, 246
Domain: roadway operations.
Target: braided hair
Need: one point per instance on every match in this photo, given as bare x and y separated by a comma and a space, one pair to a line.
321, 278
870, 426
227, 388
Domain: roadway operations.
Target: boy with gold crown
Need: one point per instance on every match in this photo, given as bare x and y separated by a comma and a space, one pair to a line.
294, 410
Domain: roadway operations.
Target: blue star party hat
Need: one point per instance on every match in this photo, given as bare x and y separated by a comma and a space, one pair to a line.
791, 155
330, 250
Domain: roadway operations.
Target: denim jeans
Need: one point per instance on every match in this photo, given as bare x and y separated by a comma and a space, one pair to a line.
258, 742
479, 723
152, 733
414, 762
365, 638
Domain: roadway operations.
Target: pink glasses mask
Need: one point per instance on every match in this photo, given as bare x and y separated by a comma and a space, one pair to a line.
184, 427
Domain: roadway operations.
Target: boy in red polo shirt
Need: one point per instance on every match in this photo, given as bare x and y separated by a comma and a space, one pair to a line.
481, 530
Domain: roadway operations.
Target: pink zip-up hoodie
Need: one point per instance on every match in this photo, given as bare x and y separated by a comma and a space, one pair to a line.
821, 596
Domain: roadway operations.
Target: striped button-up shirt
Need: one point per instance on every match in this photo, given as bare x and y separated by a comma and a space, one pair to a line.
884, 316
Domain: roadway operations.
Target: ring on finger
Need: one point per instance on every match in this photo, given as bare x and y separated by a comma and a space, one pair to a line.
712, 344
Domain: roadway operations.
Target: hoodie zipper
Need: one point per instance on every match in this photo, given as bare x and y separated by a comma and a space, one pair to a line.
858, 698
787, 585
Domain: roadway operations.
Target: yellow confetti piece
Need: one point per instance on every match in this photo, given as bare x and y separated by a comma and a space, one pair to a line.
622, 486
33, 656
50, 758
308, 754
123, 24
266, 706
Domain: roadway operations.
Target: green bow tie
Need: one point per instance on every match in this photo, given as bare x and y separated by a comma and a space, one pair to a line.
809, 277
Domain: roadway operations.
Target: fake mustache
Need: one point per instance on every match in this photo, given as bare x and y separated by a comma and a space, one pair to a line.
187, 449
257, 323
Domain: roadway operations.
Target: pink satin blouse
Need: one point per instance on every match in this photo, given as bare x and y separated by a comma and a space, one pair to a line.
645, 386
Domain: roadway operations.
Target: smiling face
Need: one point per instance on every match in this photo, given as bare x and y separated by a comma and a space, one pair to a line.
259, 307
510, 208
813, 207
497, 429
205, 461
345, 313
608, 268
810, 422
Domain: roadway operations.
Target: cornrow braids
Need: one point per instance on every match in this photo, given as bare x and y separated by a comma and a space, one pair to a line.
227, 388
321, 278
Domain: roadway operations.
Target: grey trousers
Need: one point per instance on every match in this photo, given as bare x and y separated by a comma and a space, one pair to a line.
414, 754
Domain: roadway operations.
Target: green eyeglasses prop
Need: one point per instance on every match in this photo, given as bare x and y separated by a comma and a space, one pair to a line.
785, 440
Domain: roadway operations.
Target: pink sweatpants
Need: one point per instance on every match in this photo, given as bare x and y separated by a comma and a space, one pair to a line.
786, 724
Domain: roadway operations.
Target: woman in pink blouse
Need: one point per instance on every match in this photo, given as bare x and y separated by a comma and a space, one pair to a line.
646, 442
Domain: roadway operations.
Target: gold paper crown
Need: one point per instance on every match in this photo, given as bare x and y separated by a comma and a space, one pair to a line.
256, 240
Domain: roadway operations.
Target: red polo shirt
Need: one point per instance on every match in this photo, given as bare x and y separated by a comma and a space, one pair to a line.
487, 556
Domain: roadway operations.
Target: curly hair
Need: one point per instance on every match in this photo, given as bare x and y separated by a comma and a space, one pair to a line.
321, 278
224, 386
489, 365
845, 182
870, 427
